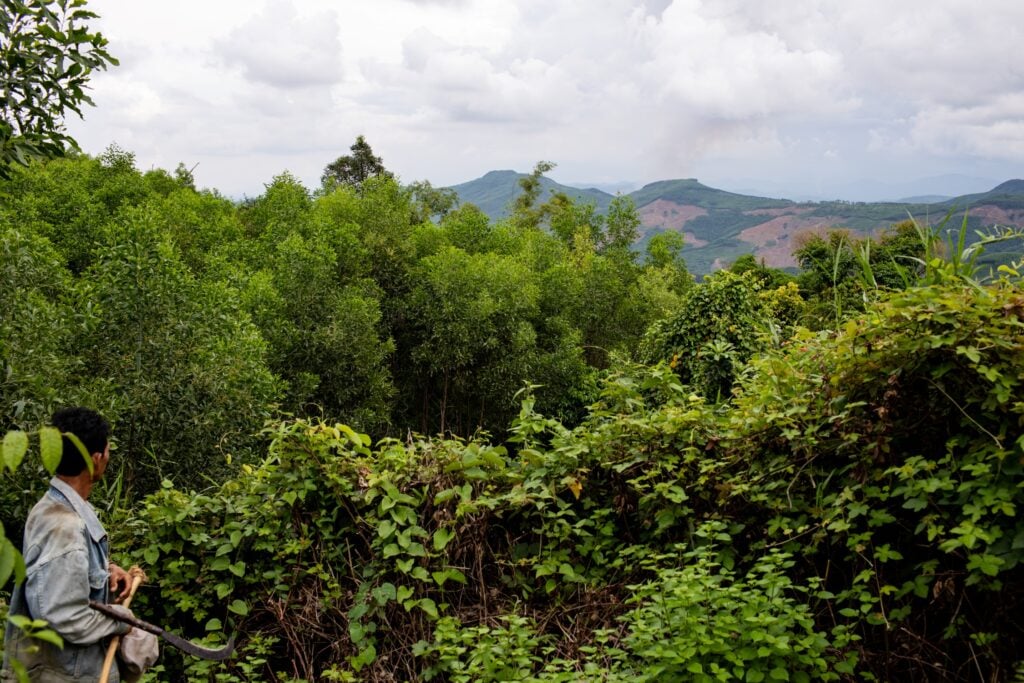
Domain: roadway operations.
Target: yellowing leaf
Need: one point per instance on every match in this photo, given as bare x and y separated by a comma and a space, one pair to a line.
14, 446
51, 447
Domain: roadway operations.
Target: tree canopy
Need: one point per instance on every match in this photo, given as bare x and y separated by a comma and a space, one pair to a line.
354, 169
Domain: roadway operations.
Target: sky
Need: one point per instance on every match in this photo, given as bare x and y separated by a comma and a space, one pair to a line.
850, 99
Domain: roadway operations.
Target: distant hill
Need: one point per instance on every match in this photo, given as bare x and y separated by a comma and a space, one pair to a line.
690, 191
1007, 195
494, 192
924, 199
720, 226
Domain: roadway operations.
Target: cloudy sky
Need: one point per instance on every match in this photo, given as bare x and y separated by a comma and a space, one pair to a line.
791, 98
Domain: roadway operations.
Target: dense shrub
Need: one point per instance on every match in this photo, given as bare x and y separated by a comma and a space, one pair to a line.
715, 331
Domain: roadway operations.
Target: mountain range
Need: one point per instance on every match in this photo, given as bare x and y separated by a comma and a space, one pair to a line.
720, 226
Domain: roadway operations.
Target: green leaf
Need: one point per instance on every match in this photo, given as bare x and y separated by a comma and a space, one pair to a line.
441, 538
14, 446
238, 569
151, 555
214, 625
988, 564
475, 473
20, 621
81, 449
384, 593
449, 575
365, 657
239, 607
445, 496
20, 670
51, 448
7, 555
428, 606
49, 636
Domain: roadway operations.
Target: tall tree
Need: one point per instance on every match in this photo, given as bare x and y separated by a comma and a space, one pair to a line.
622, 227
429, 202
353, 169
525, 212
47, 55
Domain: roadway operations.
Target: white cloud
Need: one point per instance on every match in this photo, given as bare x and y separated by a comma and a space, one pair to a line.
280, 48
616, 90
994, 129
723, 67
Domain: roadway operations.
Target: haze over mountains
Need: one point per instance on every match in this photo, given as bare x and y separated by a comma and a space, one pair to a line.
720, 226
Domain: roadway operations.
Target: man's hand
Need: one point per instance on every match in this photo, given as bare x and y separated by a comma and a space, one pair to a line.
120, 580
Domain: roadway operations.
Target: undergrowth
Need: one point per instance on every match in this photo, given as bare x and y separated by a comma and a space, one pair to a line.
850, 513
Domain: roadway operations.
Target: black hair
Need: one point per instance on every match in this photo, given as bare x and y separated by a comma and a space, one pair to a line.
90, 428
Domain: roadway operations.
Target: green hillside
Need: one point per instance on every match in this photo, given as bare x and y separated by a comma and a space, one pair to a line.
1008, 195
689, 191
494, 192
717, 231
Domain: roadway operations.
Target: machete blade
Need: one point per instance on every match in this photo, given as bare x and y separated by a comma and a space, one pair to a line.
199, 651
177, 641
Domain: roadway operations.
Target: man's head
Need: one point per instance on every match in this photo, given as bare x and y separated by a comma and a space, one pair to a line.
90, 428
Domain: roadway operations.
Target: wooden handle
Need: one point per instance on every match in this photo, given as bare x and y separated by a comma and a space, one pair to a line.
138, 576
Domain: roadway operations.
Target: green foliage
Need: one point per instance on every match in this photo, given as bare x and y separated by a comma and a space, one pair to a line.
354, 169
840, 273
666, 278
714, 331
473, 314
702, 622
400, 552
468, 228
622, 227
432, 202
173, 360
856, 496
525, 211
35, 323
665, 249
47, 55
900, 436
768, 278
508, 651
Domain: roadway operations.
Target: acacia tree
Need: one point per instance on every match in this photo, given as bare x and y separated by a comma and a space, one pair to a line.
47, 55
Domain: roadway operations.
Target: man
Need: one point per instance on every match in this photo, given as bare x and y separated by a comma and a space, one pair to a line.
67, 564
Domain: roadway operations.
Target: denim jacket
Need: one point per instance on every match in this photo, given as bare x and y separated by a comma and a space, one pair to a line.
66, 561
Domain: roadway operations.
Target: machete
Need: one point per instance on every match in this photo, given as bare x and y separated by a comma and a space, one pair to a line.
177, 641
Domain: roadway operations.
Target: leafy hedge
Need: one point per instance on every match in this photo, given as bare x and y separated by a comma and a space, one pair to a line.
852, 512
